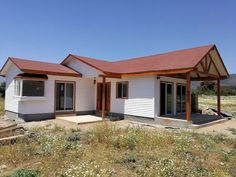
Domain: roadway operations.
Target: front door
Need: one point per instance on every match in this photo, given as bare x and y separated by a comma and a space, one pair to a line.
166, 102
107, 97
64, 93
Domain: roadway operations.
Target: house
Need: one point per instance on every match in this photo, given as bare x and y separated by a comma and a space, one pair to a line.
145, 88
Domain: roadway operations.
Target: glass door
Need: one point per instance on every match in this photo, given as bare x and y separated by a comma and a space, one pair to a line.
166, 102
181, 98
64, 96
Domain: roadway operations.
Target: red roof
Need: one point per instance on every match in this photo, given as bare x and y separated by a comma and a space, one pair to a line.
181, 59
38, 67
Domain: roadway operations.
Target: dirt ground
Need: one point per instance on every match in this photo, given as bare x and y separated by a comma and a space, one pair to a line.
220, 128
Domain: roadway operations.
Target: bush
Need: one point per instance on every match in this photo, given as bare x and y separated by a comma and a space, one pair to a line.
73, 137
25, 173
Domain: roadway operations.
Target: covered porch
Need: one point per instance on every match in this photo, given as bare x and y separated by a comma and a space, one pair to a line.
209, 68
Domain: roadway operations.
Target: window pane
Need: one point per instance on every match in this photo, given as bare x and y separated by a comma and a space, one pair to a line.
69, 96
60, 91
178, 98
17, 87
33, 88
163, 98
125, 90
169, 98
183, 98
119, 90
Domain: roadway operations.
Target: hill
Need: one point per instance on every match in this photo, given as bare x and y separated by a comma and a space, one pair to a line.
230, 82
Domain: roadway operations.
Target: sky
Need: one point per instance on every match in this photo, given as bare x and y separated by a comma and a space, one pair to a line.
48, 30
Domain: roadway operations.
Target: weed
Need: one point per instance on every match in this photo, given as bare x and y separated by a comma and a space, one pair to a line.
25, 173
233, 130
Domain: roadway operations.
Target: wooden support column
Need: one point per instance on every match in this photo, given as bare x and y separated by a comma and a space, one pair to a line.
188, 99
103, 96
218, 97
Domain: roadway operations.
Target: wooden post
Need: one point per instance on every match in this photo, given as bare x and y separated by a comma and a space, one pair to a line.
103, 96
218, 97
188, 102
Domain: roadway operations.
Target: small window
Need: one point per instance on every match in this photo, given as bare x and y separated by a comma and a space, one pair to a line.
122, 90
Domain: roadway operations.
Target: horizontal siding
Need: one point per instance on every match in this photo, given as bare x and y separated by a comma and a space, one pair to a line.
141, 97
10, 103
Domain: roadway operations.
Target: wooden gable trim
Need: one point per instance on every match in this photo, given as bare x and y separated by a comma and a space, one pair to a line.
221, 60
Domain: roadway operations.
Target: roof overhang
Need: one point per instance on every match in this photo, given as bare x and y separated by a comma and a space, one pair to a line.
10, 62
27, 76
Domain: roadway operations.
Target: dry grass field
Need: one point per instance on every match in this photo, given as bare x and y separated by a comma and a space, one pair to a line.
228, 103
106, 150
1, 106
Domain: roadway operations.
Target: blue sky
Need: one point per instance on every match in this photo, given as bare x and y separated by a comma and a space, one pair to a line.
49, 30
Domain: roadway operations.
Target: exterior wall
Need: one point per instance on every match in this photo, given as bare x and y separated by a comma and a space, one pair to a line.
84, 98
84, 69
140, 100
143, 94
175, 81
10, 103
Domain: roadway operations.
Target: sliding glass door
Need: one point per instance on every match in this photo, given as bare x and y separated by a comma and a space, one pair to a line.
181, 98
64, 96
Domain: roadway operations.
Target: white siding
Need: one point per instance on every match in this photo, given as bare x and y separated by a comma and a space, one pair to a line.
10, 103
84, 69
140, 100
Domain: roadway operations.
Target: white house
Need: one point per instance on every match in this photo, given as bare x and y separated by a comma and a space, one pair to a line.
146, 87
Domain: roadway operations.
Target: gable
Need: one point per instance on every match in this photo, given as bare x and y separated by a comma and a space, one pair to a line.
83, 68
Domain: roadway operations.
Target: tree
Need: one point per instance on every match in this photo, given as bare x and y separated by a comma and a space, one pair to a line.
2, 89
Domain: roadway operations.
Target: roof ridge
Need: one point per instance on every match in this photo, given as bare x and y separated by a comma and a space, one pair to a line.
145, 56
165, 53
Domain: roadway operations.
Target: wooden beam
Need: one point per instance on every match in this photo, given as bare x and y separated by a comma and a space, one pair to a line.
188, 103
110, 75
158, 73
218, 97
206, 74
103, 96
203, 67
209, 66
205, 64
214, 65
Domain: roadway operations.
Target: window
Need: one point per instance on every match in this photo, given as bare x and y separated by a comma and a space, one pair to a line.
29, 88
122, 90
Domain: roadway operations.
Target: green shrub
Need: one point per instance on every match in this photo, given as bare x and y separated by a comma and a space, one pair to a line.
25, 173
73, 137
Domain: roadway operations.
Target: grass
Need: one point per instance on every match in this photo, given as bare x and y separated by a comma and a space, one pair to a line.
1, 106
106, 150
228, 103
